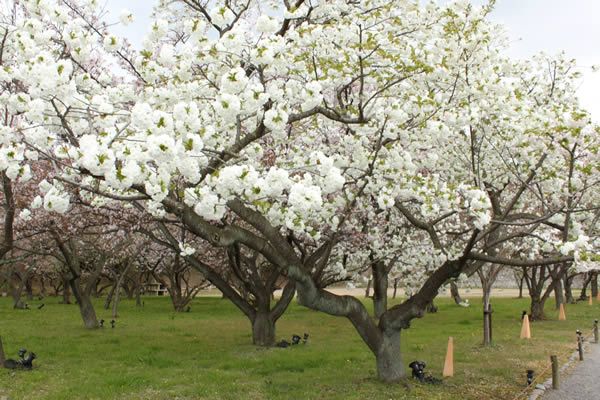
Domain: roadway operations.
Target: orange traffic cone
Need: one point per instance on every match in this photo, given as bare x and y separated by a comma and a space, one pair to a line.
591, 301
449, 363
561, 313
525, 331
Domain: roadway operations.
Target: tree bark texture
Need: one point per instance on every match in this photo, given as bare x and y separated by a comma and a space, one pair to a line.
455, 294
380, 285
390, 366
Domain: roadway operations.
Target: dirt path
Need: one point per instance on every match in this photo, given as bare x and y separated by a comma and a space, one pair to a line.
582, 382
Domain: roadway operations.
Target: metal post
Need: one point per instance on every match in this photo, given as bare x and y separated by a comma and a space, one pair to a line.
555, 383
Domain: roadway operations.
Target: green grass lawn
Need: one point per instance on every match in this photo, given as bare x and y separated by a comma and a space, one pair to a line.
154, 353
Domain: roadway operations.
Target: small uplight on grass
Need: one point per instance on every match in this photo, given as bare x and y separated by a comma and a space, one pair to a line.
529, 376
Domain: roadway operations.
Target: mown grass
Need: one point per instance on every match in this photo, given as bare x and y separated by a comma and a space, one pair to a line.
154, 353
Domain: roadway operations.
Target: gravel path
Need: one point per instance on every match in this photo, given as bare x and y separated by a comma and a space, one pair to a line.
583, 381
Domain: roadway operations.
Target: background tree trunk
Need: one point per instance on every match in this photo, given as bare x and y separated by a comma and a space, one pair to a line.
558, 293
66, 291
567, 283
16, 292
118, 289
594, 281
109, 297
86, 308
455, 294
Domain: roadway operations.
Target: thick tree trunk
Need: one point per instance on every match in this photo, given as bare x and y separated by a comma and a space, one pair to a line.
390, 367
380, 284
594, 284
537, 308
178, 302
94, 288
86, 308
263, 329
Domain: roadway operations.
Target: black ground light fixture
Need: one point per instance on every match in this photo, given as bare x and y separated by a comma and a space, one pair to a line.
23, 363
529, 376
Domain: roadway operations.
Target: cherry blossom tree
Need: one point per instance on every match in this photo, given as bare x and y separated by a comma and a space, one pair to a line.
262, 127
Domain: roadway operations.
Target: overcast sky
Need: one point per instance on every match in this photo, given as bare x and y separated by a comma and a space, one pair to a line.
533, 25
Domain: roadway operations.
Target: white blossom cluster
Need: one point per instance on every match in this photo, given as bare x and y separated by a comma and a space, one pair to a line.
375, 123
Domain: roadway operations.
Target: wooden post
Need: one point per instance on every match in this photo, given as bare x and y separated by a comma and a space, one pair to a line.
596, 331
555, 383
1, 354
580, 345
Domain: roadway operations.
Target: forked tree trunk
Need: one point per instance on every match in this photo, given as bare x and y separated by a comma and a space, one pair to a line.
521, 288
395, 288
118, 290
390, 367
537, 308
16, 293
